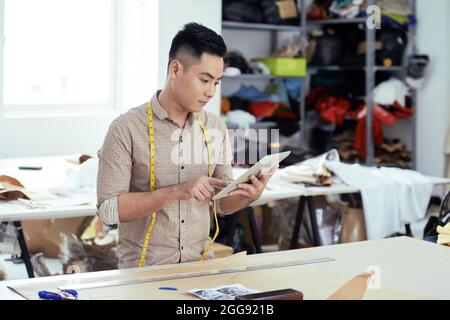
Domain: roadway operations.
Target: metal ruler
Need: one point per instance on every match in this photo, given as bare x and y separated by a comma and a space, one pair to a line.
115, 283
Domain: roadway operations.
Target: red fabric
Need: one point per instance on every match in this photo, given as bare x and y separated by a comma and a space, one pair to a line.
314, 94
383, 116
354, 114
263, 108
333, 109
360, 135
379, 116
285, 114
316, 12
401, 112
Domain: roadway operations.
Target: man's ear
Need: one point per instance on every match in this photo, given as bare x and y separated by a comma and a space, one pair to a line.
175, 69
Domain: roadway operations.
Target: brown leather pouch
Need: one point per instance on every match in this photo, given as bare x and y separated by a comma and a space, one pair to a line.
284, 294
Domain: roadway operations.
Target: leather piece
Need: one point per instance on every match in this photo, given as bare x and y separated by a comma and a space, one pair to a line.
284, 294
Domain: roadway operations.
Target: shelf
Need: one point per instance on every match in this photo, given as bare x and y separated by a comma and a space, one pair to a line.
258, 26
258, 77
342, 68
393, 68
335, 21
257, 125
275, 27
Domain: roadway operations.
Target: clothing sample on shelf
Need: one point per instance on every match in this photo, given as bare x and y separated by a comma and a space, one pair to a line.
239, 119
391, 91
251, 93
347, 8
400, 7
391, 197
236, 60
416, 69
232, 72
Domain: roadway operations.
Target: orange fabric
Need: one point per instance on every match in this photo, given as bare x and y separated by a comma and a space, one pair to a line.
225, 104
263, 108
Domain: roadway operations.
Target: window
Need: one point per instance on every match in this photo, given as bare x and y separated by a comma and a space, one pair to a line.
58, 53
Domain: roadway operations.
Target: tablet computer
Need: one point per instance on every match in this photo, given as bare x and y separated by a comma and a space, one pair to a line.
267, 162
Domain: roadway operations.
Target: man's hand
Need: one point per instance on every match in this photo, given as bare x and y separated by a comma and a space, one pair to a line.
253, 190
201, 189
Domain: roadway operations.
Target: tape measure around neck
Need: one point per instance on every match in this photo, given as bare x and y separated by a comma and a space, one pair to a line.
151, 133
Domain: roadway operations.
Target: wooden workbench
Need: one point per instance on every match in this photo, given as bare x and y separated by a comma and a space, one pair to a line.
407, 269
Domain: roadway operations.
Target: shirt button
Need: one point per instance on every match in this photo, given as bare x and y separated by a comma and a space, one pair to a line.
182, 247
182, 221
182, 167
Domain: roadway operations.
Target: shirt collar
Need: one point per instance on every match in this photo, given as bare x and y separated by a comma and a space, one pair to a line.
162, 114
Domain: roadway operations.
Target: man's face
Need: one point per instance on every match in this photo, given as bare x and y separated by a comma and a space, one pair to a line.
196, 84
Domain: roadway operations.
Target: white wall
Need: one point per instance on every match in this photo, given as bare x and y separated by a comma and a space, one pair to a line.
433, 114
83, 131
147, 28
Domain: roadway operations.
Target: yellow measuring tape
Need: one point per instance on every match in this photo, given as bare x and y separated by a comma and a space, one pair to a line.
151, 132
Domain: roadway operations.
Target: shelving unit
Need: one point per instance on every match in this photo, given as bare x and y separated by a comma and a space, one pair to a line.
369, 69
273, 29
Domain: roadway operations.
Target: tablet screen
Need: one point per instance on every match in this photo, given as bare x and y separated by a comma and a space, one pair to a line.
267, 162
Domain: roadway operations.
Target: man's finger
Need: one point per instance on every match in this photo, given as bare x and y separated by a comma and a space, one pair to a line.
255, 181
198, 195
205, 192
209, 187
240, 192
264, 179
248, 187
217, 182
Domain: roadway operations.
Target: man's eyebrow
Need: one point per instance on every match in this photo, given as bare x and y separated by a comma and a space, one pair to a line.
210, 75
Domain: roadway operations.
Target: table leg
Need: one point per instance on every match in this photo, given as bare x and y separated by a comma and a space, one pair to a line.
254, 230
24, 249
298, 222
314, 226
408, 230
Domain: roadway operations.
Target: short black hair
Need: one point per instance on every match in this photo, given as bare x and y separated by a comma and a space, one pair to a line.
196, 39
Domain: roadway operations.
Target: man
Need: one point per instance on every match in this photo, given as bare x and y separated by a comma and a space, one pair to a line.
183, 189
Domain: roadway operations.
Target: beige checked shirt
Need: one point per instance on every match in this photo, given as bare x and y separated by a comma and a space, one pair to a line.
181, 231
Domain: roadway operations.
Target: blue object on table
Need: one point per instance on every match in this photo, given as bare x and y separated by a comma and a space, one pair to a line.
168, 288
72, 292
48, 295
65, 294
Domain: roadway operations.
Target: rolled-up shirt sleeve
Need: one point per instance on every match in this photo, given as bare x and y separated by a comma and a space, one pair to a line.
114, 171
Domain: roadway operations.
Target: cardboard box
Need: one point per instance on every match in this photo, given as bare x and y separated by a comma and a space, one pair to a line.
287, 9
44, 235
221, 250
